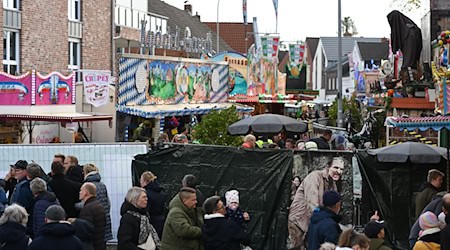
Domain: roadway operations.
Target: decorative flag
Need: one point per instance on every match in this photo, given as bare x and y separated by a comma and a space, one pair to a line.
269, 45
96, 87
275, 6
244, 11
296, 53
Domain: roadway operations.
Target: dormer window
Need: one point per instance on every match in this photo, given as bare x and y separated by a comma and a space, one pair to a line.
187, 32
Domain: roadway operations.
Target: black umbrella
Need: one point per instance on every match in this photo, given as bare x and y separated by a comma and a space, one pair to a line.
415, 152
267, 124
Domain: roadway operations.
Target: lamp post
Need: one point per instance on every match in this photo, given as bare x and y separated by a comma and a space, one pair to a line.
217, 26
340, 115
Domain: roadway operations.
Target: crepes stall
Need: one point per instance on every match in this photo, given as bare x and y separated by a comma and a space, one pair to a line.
31, 98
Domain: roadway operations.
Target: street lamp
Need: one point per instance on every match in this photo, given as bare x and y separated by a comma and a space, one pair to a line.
340, 114
217, 26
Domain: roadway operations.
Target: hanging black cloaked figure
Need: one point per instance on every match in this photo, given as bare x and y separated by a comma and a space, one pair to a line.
407, 37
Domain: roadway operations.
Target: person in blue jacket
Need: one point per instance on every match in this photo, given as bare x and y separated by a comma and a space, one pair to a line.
57, 233
324, 224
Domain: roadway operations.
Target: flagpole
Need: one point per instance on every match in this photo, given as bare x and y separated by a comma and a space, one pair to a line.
276, 23
340, 114
217, 28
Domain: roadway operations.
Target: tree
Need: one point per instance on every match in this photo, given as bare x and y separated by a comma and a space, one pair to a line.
213, 128
349, 27
347, 106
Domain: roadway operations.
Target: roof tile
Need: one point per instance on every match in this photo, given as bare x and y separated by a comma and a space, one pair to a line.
234, 34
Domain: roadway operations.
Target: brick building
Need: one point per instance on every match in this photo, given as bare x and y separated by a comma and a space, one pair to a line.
73, 35
56, 35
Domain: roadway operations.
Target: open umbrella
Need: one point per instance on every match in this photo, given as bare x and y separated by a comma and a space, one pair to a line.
267, 124
415, 152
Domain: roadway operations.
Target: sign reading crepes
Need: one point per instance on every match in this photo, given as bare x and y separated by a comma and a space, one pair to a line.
96, 87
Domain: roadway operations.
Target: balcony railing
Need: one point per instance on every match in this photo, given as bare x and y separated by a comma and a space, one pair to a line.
75, 29
12, 19
129, 17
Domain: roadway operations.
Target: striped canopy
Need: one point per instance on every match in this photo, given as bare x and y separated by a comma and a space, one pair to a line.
422, 123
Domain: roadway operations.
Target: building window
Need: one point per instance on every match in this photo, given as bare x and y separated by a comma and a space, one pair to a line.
11, 4
74, 9
11, 52
75, 57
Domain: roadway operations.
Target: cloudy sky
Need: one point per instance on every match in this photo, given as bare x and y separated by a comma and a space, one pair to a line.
298, 19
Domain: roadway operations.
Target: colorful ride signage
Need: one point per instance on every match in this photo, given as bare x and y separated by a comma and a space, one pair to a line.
15, 90
34, 89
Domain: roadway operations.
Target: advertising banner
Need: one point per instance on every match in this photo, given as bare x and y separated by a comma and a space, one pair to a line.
55, 88
15, 90
262, 177
171, 82
96, 87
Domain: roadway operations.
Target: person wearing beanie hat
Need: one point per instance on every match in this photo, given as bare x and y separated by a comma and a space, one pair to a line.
324, 224
234, 212
309, 195
57, 233
434, 206
430, 235
218, 232
374, 230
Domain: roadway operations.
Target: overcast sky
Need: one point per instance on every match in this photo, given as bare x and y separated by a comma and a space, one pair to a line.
298, 19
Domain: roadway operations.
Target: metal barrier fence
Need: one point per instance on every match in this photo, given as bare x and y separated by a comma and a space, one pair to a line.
113, 160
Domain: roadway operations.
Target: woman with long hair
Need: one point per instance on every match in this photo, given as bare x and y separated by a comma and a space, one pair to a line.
156, 200
92, 174
350, 239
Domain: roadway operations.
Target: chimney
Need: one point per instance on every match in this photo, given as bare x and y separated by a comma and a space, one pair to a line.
188, 8
197, 15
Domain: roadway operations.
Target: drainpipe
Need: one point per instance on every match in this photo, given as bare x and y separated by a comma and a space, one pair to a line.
113, 58
113, 30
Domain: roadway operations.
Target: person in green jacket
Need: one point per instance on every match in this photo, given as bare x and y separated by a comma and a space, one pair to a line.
143, 132
428, 190
374, 230
182, 229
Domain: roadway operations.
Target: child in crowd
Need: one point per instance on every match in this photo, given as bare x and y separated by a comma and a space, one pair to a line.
234, 212
429, 236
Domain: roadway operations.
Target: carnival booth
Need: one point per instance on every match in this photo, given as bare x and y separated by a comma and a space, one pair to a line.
256, 80
391, 186
171, 92
32, 98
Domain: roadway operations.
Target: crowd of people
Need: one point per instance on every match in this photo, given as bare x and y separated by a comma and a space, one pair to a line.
314, 219
69, 208
326, 141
